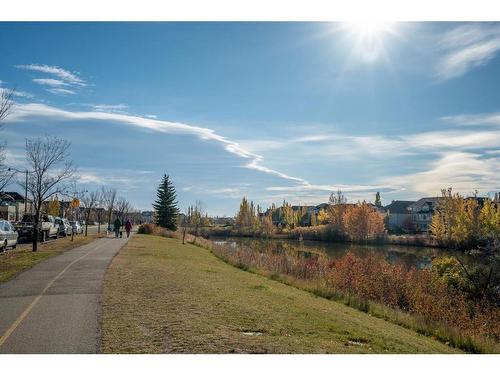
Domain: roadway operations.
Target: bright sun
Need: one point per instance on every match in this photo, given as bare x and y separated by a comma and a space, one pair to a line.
369, 28
368, 37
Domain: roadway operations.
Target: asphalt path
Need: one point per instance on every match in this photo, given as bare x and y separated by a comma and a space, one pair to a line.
55, 307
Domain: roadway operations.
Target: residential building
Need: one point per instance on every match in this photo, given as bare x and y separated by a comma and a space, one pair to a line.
399, 218
147, 216
422, 211
12, 206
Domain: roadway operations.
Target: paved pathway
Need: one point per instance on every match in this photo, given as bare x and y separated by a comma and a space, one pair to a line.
55, 306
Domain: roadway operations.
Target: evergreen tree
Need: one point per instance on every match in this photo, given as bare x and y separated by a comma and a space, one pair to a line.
378, 202
166, 205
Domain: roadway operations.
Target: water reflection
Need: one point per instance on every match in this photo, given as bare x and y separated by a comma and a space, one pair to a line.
420, 257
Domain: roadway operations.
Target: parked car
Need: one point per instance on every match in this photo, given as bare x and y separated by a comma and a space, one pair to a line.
24, 227
48, 227
77, 228
8, 235
64, 227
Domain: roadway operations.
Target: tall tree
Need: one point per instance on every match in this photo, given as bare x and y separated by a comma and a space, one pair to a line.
54, 208
108, 197
48, 162
6, 105
166, 205
89, 202
123, 207
337, 205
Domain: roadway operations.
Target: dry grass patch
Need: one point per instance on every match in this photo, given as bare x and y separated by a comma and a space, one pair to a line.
164, 297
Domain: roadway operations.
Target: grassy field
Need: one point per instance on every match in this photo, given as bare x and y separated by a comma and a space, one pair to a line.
12, 262
164, 297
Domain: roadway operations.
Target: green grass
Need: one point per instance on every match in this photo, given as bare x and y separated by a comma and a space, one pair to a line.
13, 262
164, 297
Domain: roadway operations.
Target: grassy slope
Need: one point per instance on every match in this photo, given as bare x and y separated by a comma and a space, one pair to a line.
161, 296
12, 262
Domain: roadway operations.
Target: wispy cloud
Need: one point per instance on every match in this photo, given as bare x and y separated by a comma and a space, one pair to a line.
64, 75
116, 108
35, 110
50, 82
464, 171
62, 83
18, 93
466, 47
59, 91
476, 119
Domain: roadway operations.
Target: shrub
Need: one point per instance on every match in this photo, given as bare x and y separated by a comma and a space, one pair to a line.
146, 229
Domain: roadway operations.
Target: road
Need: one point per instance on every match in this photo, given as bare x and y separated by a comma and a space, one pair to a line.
55, 306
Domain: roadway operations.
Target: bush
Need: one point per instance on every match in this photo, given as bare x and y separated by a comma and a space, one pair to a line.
146, 229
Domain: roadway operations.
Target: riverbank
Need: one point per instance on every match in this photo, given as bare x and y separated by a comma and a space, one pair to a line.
322, 233
161, 296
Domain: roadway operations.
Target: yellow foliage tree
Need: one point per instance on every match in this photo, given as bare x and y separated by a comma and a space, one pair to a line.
362, 222
337, 205
54, 207
459, 221
322, 217
267, 225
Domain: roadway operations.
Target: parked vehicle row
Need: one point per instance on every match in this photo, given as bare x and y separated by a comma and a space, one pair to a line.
8, 235
50, 227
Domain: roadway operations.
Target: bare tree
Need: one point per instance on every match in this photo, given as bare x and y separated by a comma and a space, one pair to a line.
50, 169
123, 207
192, 219
89, 202
99, 210
109, 200
6, 175
6, 103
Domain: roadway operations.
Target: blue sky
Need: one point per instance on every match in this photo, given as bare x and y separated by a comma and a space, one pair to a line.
265, 110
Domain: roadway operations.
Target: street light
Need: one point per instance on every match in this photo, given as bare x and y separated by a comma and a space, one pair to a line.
26, 187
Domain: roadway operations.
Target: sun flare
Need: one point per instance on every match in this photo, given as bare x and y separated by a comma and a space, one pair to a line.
369, 28
369, 37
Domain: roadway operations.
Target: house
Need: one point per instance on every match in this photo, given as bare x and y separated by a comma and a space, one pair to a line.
147, 216
422, 211
12, 206
399, 218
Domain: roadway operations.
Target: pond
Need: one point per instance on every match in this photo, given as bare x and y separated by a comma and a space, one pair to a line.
420, 257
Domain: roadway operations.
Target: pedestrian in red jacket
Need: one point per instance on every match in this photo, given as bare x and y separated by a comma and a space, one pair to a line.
128, 227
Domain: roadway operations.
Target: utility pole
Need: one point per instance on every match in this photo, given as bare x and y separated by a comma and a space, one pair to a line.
25, 187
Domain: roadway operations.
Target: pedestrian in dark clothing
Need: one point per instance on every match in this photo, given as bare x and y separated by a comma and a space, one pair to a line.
128, 227
116, 226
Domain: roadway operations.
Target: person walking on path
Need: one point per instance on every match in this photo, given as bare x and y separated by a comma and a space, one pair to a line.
128, 227
116, 226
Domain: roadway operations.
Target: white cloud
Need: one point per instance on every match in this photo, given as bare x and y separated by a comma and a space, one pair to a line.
35, 110
116, 108
479, 119
467, 47
464, 171
64, 75
59, 91
50, 82
18, 93
151, 116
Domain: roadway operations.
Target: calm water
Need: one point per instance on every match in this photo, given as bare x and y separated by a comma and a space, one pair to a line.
421, 257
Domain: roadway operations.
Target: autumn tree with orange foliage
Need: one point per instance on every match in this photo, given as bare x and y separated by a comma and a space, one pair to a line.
362, 222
